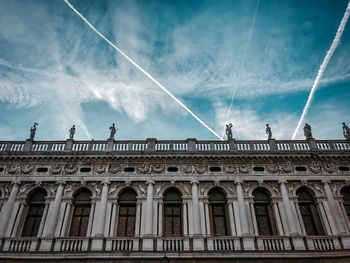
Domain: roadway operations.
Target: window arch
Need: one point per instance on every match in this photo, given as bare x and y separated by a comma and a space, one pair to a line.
36, 207
218, 213
263, 212
172, 216
308, 211
81, 213
345, 192
127, 213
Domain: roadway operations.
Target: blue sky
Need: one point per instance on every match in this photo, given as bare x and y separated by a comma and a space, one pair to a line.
56, 71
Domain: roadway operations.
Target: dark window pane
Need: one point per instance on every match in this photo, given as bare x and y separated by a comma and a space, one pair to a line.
81, 214
36, 206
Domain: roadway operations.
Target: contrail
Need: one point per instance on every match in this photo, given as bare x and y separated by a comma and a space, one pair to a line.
142, 70
242, 61
322, 68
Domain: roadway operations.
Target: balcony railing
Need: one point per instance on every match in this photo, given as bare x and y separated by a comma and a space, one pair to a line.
189, 145
280, 244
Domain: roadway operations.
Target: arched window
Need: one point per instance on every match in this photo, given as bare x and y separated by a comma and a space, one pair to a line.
172, 213
345, 192
127, 213
81, 213
36, 206
264, 214
217, 210
308, 211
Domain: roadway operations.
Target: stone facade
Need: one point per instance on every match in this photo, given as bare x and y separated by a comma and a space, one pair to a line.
220, 213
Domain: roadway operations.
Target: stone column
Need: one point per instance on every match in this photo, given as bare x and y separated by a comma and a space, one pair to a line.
54, 209
231, 217
287, 208
333, 207
148, 237
97, 242
198, 242
248, 240
7, 209
296, 238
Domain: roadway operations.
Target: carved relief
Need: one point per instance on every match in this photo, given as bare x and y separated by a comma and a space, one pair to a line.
69, 188
157, 168
146, 168
200, 168
248, 186
13, 169
100, 168
115, 168
329, 167
7, 189
185, 187
244, 168
22, 192
230, 168
315, 167
317, 187
187, 168
55, 169
113, 188
204, 187
97, 188
27, 168
229, 187
274, 186
336, 187
70, 168
279, 168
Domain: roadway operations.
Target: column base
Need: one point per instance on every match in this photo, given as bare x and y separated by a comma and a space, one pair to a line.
298, 242
97, 243
46, 244
147, 244
198, 243
346, 241
248, 242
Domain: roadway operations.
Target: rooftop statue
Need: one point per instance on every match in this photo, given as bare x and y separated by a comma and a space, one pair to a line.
346, 131
72, 132
32, 131
268, 131
307, 131
113, 131
229, 131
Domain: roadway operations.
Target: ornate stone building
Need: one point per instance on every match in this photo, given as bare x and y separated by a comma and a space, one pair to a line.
167, 201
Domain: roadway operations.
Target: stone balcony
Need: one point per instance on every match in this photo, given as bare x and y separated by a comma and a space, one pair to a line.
176, 244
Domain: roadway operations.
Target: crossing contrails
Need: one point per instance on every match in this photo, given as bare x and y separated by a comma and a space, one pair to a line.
242, 63
322, 68
154, 80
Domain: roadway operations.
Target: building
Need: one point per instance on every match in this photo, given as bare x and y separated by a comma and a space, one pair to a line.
172, 201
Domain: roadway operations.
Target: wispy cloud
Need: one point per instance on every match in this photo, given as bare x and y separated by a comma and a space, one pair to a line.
51, 61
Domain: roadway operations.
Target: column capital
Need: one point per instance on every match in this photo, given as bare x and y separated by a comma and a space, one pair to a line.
282, 182
194, 182
61, 182
325, 182
150, 182
16, 183
105, 183
238, 182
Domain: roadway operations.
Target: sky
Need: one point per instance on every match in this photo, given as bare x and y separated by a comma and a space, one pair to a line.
54, 70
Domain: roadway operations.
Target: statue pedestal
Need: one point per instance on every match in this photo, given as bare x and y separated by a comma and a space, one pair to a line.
28, 145
110, 144
69, 145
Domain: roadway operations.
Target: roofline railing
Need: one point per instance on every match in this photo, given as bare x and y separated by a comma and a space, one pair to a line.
188, 145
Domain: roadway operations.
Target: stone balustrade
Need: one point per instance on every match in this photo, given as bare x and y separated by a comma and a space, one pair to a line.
153, 145
172, 244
